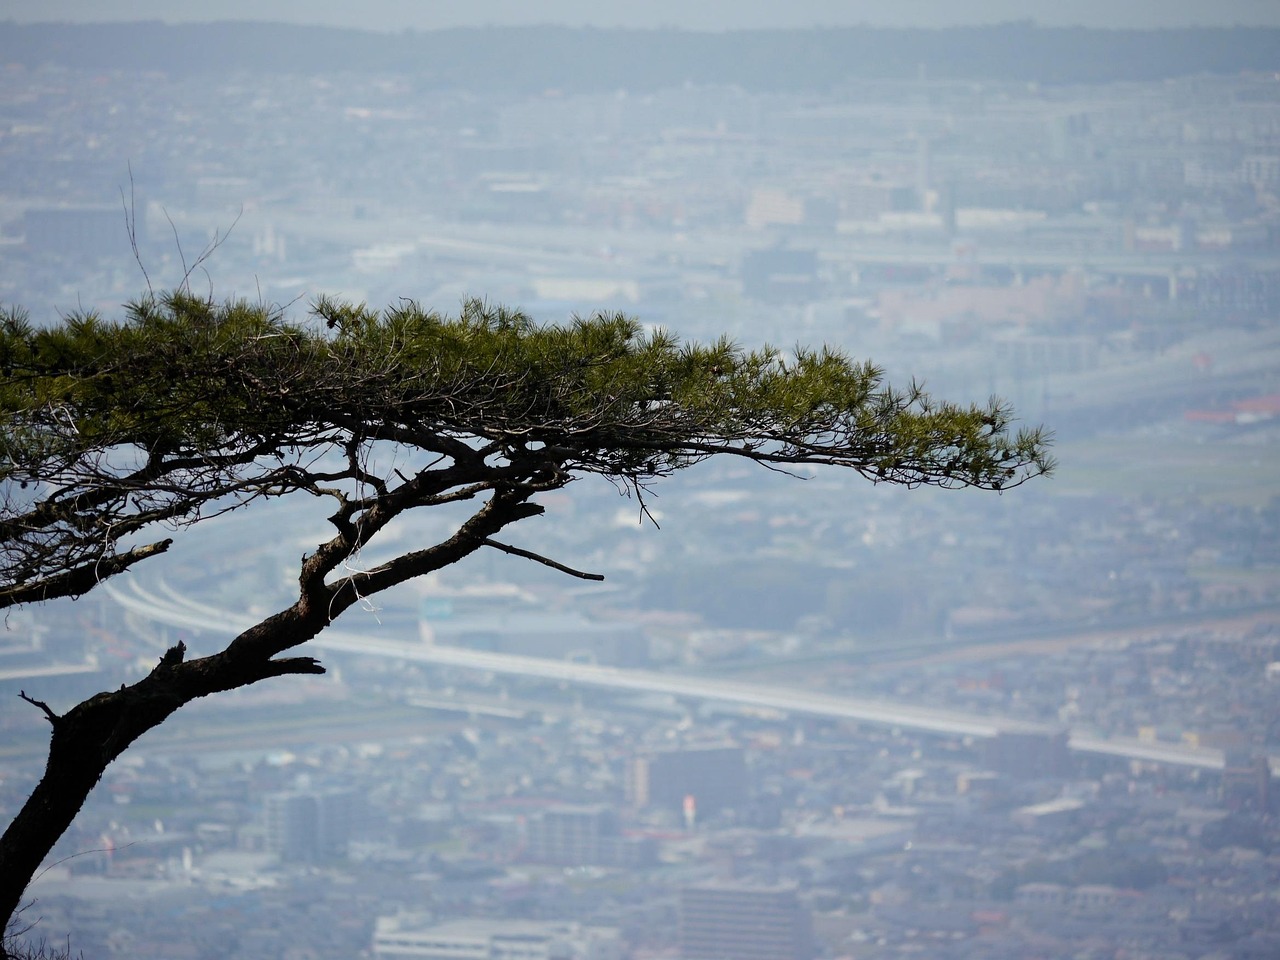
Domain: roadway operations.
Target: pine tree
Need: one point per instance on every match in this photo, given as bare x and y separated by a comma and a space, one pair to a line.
187, 408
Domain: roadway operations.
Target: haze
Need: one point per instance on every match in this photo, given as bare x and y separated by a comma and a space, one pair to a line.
702, 15
882, 724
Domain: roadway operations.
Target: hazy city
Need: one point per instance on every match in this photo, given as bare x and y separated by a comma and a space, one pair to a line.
803, 717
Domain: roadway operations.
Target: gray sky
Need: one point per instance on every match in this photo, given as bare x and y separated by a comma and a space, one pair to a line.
691, 14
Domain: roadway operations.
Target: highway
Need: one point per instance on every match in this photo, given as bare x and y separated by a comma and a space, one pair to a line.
577, 249
163, 604
90, 665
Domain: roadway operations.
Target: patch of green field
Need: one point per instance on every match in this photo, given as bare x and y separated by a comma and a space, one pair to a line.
1170, 467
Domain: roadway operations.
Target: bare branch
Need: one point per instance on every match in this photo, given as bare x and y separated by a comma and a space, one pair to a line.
131, 227
292, 665
546, 561
503, 508
177, 242
52, 717
77, 580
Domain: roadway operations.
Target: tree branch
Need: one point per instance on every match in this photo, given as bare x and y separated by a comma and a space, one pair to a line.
53, 717
78, 580
506, 506
538, 558
292, 665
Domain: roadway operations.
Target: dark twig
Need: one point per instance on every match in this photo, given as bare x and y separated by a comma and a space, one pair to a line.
53, 717
210, 248
177, 241
546, 561
131, 227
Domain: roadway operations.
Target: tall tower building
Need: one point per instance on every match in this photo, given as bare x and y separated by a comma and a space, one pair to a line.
736, 922
308, 826
584, 835
716, 777
1246, 782
1028, 755
291, 826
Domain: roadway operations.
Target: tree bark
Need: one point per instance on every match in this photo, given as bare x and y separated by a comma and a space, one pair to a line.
93, 733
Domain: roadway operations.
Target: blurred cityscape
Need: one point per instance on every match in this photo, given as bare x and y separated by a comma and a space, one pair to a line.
807, 718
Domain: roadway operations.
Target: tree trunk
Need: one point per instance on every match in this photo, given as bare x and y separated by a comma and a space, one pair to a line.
93, 733
84, 741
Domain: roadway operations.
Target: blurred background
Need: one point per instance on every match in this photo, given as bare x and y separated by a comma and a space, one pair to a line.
878, 722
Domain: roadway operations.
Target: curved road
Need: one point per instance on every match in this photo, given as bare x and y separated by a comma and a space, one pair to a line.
166, 605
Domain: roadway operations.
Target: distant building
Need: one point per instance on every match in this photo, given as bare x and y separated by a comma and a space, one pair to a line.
1043, 894
716, 777
291, 826
866, 200
304, 827
1035, 302
769, 207
1261, 170
584, 836
1246, 782
1029, 756
1024, 354
780, 275
411, 937
1052, 815
732, 922
509, 621
587, 289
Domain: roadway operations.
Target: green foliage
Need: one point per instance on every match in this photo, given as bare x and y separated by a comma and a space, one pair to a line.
187, 402
182, 372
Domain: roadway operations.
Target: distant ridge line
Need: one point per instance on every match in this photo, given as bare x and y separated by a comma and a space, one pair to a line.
587, 59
